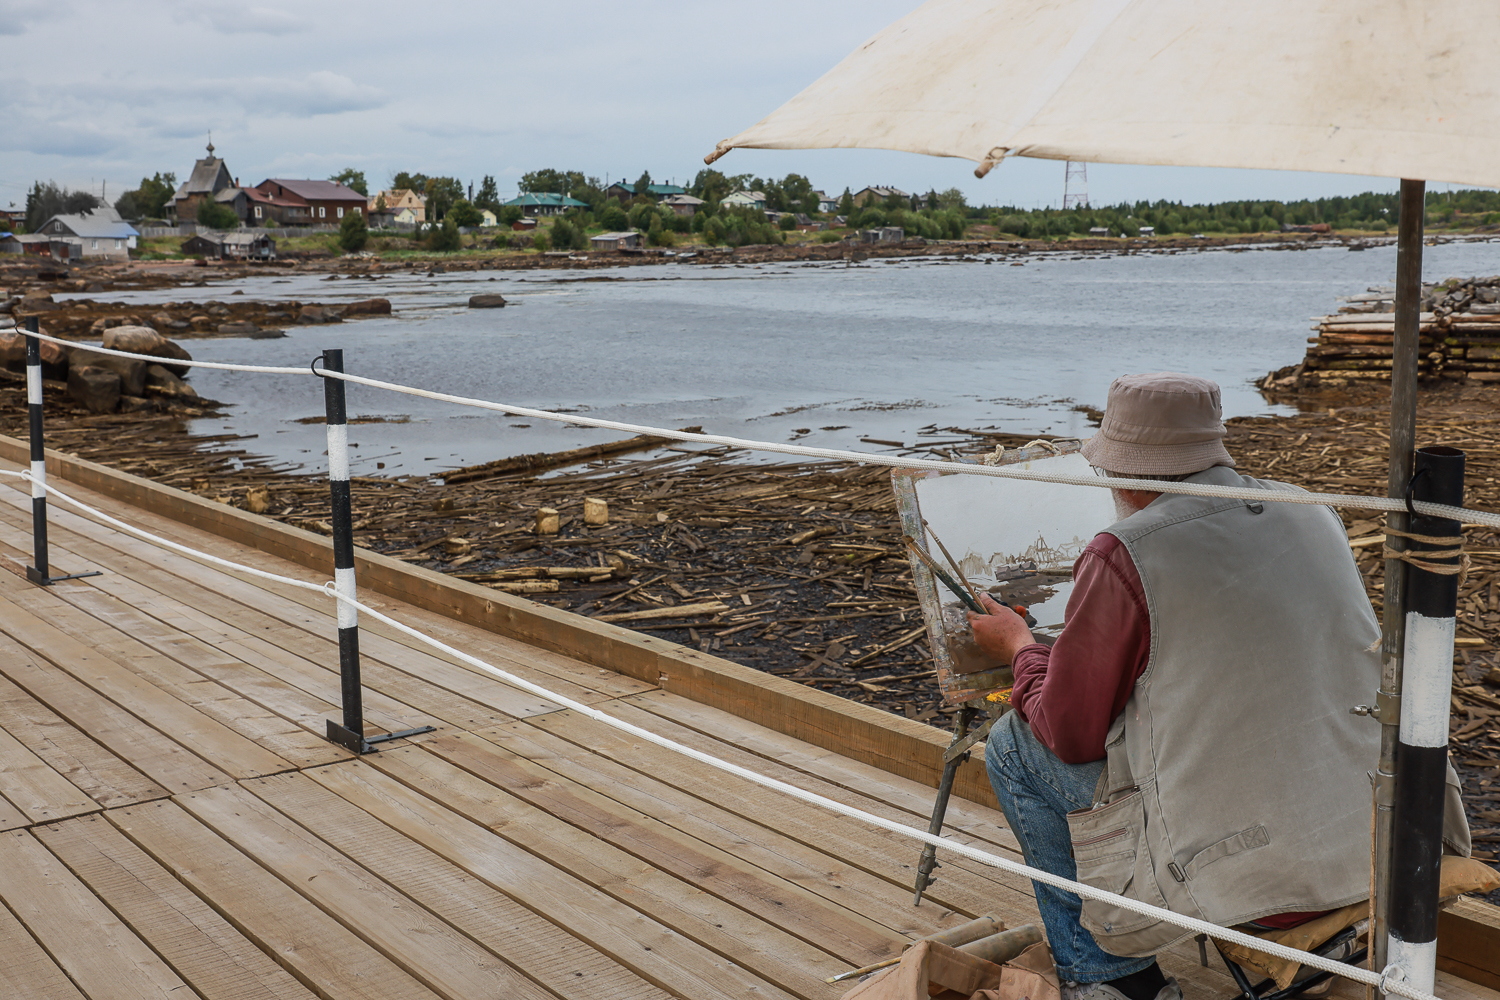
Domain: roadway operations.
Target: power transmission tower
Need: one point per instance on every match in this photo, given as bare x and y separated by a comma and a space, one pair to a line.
1076, 186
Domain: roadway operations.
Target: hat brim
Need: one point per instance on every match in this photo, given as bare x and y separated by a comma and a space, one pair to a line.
1154, 459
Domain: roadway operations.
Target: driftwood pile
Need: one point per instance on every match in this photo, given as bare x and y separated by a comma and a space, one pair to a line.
1459, 327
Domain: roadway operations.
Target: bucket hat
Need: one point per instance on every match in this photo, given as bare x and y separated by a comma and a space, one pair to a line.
1161, 424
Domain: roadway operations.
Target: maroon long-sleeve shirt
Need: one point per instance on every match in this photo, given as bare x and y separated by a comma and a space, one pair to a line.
1071, 692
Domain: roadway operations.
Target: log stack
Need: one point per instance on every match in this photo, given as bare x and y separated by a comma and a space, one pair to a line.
1459, 328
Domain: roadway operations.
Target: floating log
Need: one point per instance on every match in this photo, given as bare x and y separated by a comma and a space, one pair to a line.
556, 459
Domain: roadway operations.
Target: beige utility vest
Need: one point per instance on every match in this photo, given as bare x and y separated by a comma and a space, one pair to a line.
1237, 781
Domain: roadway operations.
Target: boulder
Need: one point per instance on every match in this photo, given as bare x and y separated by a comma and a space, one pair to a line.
368, 307
238, 328
36, 302
96, 389
13, 355
132, 374
319, 314
267, 333
144, 340
159, 379
486, 301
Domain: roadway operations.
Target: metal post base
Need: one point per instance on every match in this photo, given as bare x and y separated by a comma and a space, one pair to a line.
38, 577
361, 744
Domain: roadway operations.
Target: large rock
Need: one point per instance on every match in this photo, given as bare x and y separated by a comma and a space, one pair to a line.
368, 307
238, 328
158, 379
96, 389
319, 314
13, 355
486, 301
144, 340
132, 373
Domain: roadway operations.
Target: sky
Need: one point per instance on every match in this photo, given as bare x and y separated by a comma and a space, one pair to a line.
465, 88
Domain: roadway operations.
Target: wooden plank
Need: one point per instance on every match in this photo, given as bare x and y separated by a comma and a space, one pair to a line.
35, 789
133, 643
200, 945
445, 960
549, 955
315, 948
869, 786
99, 774
11, 817
222, 750
109, 960
1469, 941
51, 712
28, 971
661, 930
834, 921
875, 851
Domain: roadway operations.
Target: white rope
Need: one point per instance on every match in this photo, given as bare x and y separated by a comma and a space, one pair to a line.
1388, 981
998, 471
165, 542
151, 360
1215, 931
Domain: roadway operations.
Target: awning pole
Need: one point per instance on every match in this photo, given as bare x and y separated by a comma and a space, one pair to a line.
1393, 614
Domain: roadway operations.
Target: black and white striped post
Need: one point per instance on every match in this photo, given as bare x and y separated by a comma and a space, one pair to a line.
40, 570
1433, 555
351, 734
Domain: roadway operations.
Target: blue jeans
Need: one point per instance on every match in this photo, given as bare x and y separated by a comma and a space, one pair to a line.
1037, 791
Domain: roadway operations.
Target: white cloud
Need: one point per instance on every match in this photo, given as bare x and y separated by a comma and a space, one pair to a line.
17, 16
234, 19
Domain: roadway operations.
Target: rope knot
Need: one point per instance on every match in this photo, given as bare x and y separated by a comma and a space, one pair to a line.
1452, 547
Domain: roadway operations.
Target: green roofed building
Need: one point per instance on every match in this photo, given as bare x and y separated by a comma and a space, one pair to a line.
545, 203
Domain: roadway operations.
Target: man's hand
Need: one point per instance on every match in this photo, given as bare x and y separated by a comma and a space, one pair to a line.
1001, 633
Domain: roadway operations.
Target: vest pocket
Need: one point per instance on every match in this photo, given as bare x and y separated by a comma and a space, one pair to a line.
1110, 853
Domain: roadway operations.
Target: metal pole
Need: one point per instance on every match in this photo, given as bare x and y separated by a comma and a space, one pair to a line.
351, 733
1393, 615
1422, 748
39, 570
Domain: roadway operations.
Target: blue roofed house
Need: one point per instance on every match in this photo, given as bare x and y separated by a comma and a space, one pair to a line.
97, 233
545, 203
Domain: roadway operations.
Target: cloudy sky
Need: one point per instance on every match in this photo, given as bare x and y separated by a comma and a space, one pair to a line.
108, 91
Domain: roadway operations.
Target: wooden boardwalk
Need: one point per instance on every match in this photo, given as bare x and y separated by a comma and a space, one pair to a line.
173, 824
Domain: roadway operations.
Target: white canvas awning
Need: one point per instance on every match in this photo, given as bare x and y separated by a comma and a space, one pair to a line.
1396, 88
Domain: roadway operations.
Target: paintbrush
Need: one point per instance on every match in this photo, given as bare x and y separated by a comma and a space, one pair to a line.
948, 581
951, 561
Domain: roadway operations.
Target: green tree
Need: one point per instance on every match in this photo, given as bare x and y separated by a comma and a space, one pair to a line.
787, 222
465, 214
444, 238
489, 195
567, 236
216, 216
47, 199
613, 217
846, 203
150, 199
509, 215
441, 194
711, 186
643, 182
354, 179
354, 232
416, 183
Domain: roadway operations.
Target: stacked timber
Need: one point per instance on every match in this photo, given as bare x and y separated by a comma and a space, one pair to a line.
1459, 329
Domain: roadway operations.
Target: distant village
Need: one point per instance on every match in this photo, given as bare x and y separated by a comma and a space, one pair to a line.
246, 219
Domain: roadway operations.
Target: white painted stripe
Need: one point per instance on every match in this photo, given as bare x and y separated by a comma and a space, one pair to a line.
1418, 961
34, 385
1427, 681
338, 452
38, 479
343, 583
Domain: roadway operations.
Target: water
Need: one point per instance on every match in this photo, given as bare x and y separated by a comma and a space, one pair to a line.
815, 353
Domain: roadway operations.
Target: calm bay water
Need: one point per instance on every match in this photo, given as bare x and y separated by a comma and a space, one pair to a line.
821, 354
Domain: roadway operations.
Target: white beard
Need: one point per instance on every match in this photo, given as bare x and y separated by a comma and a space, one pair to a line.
1123, 507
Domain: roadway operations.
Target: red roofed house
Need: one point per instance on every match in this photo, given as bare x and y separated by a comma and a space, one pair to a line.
312, 203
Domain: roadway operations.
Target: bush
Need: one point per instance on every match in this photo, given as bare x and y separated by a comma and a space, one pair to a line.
539, 242
613, 219
566, 236
463, 213
713, 231
354, 232
828, 236
787, 222
444, 238
216, 216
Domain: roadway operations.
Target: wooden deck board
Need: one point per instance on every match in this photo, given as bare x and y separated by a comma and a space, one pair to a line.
166, 785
